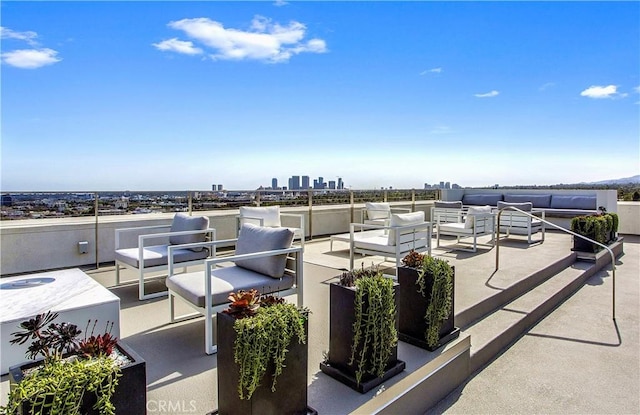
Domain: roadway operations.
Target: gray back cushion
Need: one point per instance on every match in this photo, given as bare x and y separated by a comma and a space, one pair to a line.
184, 222
526, 206
448, 205
490, 199
573, 202
538, 201
254, 238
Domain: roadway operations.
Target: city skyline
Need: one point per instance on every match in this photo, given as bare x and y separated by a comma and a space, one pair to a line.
170, 95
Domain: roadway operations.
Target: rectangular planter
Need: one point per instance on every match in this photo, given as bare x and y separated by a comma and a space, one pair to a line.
412, 307
290, 396
130, 396
341, 320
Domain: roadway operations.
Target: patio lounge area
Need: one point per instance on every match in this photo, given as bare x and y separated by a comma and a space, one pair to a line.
574, 360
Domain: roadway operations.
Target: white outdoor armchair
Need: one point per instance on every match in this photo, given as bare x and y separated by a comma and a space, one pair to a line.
379, 213
476, 222
264, 260
405, 232
514, 222
151, 253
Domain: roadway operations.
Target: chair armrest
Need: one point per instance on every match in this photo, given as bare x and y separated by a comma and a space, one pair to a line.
214, 261
124, 231
366, 226
143, 238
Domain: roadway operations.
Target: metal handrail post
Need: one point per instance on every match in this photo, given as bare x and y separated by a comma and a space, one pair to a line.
310, 193
352, 206
190, 202
96, 229
413, 200
613, 257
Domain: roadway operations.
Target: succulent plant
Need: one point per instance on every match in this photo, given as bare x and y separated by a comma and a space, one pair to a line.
101, 344
413, 259
348, 278
243, 303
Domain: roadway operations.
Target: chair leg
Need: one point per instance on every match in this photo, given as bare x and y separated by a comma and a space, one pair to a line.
117, 273
172, 308
209, 347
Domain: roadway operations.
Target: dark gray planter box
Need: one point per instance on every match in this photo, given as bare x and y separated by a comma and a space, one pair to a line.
412, 307
341, 319
290, 396
130, 396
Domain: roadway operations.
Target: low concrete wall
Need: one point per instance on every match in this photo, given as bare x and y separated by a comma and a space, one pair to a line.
42, 244
629, 214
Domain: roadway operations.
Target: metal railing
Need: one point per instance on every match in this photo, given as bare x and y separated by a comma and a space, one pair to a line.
546, 222
88, 204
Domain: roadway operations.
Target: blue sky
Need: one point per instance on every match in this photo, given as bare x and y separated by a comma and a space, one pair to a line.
182, 95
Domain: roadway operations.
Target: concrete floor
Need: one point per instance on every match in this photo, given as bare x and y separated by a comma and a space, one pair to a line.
571, 362
576, 360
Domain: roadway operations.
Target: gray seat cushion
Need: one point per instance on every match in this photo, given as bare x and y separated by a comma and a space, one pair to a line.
254, 238
224, 281
573, 202
182, 222
490, 199
158, 255
568, 213
447, 205
538, 201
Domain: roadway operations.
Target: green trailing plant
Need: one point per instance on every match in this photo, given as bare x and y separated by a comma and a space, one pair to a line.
263, 336
71, 368
374, 328
58, 387
441, 294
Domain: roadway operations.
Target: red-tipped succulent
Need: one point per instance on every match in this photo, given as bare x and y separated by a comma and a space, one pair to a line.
243, 303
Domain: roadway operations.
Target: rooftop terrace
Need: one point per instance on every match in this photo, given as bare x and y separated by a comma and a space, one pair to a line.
550, 347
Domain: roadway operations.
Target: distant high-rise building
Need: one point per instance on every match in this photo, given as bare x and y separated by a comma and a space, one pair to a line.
217, 187
274, 183
340, 183
7, 200
305, 182
447, 185
332, 184
319, 183
294, 183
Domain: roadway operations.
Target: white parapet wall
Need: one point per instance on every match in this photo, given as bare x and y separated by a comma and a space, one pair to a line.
35, 245
629, 214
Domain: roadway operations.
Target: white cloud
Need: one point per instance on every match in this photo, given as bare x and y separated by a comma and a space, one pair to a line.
491, 94
29, 37
280, 3
599, 92
264, 41
178, 46
30, 58
637, 89
547, 86
433, 70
